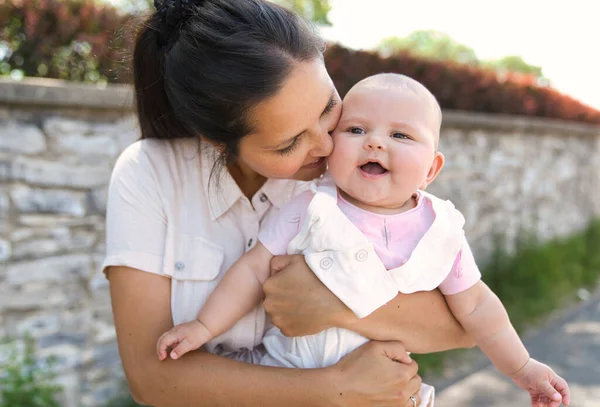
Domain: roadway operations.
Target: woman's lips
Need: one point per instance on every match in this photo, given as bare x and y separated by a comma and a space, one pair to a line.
315, 164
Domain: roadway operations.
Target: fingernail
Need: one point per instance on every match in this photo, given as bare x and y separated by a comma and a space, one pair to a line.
556, 396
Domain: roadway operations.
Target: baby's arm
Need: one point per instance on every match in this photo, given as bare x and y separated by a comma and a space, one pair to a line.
484, 317
238, 293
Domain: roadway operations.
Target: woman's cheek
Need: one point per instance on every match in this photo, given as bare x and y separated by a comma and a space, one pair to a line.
283, 167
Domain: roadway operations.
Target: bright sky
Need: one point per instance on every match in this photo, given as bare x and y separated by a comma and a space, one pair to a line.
561, 37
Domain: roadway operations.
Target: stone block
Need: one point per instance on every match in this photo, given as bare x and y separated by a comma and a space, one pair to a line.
5, 250
56, 127
35, 248
38, 200
44, 172
34, 297
97, 200
70, 396
63, 340
66, 356
20, 138
71, 267
39, 325
47, 221
104, 332
85, 145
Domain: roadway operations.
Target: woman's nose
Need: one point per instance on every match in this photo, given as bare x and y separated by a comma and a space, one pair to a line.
323, 144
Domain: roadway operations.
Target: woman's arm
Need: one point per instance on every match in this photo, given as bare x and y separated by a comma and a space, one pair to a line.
141, 307
299, 304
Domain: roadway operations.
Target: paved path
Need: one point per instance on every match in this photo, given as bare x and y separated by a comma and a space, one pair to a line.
571, 346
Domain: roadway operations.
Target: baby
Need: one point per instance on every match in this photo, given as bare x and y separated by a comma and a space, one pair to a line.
369, 230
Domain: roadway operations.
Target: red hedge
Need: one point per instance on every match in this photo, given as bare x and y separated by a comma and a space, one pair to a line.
55, 34
461, 87
79, 40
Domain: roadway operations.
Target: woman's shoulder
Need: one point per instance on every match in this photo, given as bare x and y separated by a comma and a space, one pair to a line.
159, 160
145, 151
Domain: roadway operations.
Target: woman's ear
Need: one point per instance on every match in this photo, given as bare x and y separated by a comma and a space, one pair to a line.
434, 170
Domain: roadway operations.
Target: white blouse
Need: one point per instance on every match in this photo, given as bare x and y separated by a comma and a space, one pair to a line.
166, 215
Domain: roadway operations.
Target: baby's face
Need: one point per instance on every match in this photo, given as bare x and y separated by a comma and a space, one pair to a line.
384, 146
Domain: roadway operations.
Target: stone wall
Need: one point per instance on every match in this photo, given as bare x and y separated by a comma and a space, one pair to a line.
58, 143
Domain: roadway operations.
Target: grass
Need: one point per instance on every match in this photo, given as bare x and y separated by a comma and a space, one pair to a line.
535, 280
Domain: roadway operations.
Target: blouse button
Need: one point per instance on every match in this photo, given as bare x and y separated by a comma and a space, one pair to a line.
250, 242
179, 266
263, 197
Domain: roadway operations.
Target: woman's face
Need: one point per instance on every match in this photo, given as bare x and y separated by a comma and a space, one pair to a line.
291, 129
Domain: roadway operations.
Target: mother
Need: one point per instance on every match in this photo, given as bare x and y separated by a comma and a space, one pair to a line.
235, 107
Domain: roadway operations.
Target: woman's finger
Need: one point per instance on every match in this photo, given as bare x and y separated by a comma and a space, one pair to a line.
417, 401
395, 351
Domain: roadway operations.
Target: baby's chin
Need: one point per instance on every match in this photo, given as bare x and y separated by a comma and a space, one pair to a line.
382, 204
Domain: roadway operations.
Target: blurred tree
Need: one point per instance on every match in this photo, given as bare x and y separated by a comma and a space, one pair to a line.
438, 46
430, 44
514, 63
314, 10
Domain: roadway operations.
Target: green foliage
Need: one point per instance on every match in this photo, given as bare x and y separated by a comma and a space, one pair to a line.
314, 10
78, 40
438, 46
461, 86
536, 279
430, 44
514, 63
26, 381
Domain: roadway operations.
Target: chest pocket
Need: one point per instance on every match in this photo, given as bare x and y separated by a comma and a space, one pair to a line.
197, 259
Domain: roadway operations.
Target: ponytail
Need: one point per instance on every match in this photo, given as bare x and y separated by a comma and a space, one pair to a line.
155, 113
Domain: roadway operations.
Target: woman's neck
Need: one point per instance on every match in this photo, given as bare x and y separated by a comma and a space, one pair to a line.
248, 181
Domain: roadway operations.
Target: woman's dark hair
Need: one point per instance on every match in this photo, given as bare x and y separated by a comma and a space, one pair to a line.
201, 66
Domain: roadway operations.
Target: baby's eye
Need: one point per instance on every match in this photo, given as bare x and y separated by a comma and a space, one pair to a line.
400, 135
356, 130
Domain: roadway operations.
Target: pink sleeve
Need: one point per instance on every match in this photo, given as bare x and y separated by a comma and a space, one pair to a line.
464, 274
277, 232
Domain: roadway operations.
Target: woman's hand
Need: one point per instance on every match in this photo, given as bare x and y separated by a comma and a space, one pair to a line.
298, 303
376, 374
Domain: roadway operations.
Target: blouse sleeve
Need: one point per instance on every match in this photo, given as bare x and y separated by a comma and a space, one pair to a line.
136, 224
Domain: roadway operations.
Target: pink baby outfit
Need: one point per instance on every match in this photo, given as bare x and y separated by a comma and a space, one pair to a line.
365, 259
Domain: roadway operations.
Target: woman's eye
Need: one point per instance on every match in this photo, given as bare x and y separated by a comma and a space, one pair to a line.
289, 149
400, 135
356, 130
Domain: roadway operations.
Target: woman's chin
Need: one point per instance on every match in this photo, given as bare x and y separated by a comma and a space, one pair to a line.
308, 174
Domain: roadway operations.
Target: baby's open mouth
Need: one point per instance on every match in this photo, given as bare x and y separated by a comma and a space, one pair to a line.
373, 168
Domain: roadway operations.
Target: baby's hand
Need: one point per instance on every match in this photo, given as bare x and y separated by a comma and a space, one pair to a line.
182, 339
546, 388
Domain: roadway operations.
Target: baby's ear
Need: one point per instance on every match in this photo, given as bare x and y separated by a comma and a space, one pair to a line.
434, 170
